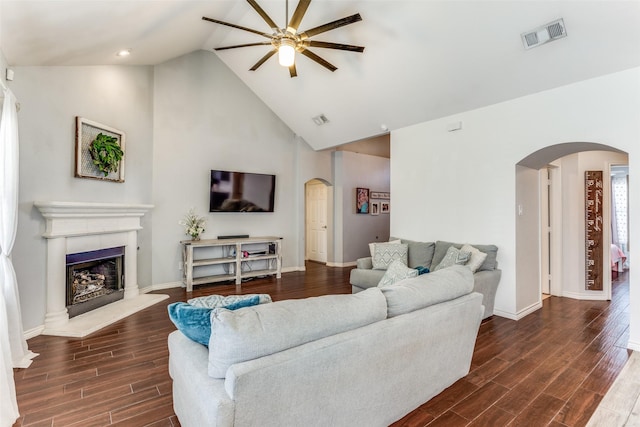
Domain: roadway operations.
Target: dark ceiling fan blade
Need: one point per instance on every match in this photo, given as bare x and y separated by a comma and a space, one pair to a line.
292, 71
297, 16
243, 45
263, 59
264, 15
330, 26
329, 45
215, 21
319, 60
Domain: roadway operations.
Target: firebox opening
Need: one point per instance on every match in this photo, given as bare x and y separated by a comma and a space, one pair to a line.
94, 279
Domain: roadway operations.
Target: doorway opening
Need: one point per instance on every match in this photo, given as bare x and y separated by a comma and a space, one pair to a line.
551, 222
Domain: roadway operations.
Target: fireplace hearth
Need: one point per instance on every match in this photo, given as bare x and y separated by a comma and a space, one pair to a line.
94, 279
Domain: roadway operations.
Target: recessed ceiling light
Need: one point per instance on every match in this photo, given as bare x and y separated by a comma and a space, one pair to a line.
124, 52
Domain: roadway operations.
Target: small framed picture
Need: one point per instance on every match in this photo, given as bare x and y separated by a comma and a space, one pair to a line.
385, 207
362, 200
375, 208
379, 195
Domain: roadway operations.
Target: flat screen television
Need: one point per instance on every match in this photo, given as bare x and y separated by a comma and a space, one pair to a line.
241, 192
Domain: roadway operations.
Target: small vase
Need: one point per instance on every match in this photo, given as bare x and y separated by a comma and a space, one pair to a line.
196, 237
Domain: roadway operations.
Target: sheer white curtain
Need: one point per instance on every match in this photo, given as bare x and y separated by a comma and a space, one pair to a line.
14, 351
619, 186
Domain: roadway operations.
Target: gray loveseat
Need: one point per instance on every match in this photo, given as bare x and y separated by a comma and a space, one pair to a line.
340, 360
429, 255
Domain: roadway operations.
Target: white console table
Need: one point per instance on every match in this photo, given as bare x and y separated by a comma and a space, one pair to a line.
234, 256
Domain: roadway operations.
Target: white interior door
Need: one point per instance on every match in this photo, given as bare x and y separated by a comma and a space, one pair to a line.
316, 222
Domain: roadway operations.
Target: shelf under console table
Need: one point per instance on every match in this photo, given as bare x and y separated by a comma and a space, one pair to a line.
230, 259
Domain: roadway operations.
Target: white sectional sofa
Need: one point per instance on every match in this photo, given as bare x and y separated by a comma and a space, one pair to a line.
364, 359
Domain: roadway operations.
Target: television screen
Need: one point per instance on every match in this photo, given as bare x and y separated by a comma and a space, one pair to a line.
241, 192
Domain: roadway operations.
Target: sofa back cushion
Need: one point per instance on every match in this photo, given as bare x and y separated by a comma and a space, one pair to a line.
489, 263
427, 289
253, 332
420, 253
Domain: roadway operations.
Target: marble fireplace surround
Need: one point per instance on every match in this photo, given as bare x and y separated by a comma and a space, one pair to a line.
73, 227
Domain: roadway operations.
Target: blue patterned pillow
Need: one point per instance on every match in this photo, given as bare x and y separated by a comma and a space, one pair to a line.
194, 320
215, 301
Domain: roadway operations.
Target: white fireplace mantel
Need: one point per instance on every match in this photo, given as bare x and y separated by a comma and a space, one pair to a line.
73, 227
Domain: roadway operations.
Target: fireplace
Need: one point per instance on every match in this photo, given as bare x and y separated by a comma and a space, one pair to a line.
84, 227
94, 279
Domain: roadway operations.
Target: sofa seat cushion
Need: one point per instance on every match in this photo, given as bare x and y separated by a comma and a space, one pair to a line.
490, 262
428, 289
253, 332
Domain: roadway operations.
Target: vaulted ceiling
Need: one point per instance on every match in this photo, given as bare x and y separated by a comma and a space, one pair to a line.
423, 59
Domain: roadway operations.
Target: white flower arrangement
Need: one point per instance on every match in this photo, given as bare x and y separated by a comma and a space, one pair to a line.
193, 224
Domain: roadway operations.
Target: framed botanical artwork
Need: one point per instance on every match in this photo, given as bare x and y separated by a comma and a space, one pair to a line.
100, 151
385, 207
362, 200
375, 208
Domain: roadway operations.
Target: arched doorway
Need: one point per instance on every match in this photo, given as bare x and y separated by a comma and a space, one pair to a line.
550, 221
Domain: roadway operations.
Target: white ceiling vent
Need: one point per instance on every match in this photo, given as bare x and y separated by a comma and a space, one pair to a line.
320, 120
543, 34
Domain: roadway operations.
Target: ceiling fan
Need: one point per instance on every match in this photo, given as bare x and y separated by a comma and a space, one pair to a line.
287, 41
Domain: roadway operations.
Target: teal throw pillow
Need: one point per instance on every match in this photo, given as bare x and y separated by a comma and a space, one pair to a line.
195, 322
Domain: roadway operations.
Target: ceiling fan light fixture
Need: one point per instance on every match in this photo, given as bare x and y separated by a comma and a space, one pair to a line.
286, 52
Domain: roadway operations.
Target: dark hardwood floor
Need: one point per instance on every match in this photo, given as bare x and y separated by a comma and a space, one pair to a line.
551, 368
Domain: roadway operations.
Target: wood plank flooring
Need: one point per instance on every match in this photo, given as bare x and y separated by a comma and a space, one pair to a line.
551, 368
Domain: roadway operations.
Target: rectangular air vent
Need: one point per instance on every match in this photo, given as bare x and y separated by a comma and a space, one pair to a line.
544, 34
320, 120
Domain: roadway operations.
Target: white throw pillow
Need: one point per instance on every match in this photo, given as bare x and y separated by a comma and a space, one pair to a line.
386, 253
477, 257
396, 272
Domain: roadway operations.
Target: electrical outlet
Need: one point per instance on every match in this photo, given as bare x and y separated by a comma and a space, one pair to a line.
179, 266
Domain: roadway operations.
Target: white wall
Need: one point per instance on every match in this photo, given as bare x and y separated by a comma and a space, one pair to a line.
50, 99
527, 211
460, 186
205, 118
354, 170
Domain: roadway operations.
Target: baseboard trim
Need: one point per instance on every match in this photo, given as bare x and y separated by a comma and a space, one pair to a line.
161, 286
520, 314
33, 332
341, 264
505, 314
527, 311
292, 269
584, 297
633, 345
